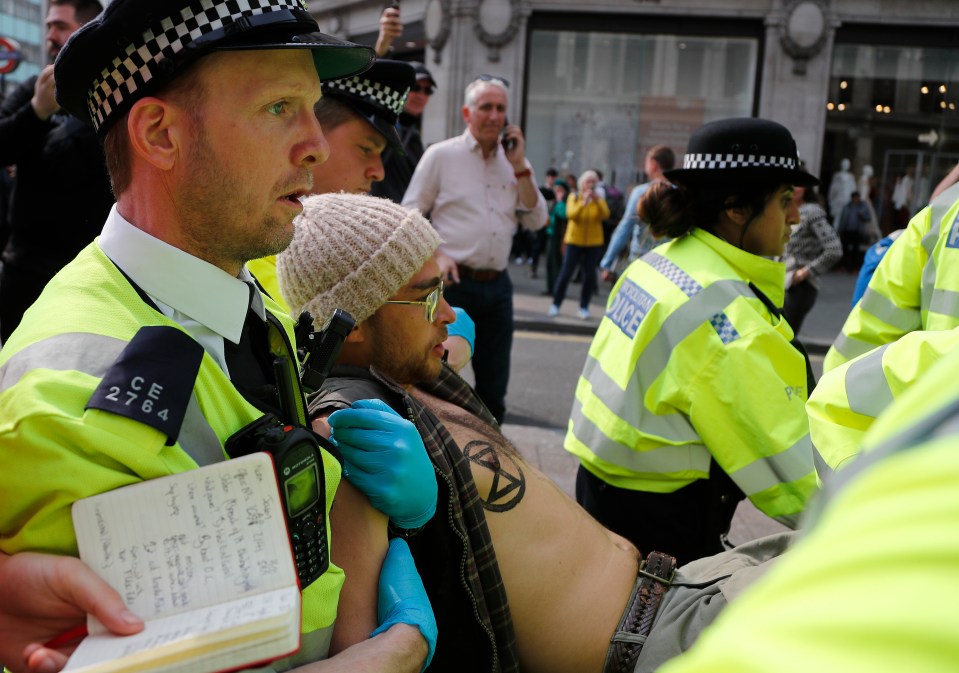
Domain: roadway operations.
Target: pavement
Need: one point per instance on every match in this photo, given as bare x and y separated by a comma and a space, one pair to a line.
543, 446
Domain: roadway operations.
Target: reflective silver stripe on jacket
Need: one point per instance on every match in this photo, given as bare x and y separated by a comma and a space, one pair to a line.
690, 287
660, 460
904, 319
878, 305
690, 454
940, 424
867, 390
938, 300
768, 471
94, 354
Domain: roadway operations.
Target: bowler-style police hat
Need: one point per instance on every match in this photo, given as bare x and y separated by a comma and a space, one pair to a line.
743, 151
134, 47
377, 95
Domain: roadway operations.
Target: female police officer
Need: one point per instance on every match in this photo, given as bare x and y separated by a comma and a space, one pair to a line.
692, 395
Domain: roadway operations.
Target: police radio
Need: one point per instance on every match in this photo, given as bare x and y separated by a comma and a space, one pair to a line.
296, 453
299, 471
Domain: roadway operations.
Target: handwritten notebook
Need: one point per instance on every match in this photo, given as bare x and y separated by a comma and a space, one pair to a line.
203, 557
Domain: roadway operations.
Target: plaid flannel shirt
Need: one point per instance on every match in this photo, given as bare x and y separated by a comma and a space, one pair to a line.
455, 556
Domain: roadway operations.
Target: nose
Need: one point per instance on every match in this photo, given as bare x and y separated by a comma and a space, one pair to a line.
792, 213
312, 148
375, 171
444, 313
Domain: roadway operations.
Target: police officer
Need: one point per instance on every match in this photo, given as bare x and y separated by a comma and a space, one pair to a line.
873, 584
692, 394
153, 347
914, 288
849, 398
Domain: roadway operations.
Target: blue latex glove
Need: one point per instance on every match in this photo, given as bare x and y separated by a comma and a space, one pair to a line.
463, 327
402, 598
385, 458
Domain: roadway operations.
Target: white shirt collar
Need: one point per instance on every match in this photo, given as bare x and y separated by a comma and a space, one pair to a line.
185, 283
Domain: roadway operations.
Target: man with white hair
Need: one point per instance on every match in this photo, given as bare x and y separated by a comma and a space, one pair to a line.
474, 188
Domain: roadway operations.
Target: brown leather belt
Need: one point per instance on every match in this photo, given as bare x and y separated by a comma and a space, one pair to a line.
653, 580
481, 275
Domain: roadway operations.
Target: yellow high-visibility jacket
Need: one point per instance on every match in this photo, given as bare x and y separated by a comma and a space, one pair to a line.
888, 520
54, 451
915, 286
689, 365
849, 398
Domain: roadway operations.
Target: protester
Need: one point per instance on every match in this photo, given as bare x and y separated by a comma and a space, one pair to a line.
811, 251
693, 392
474, 189
585, 213
61, 194
125, 318
630, 229
508, 529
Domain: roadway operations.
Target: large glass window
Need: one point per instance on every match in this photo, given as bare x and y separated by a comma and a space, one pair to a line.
891, 112
601, 100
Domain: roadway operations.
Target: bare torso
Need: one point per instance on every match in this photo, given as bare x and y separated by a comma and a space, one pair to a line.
567, 578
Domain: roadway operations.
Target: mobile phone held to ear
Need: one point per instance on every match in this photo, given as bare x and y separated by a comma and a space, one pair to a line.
508, 143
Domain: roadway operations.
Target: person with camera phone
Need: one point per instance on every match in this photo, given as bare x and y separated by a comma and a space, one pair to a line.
477, 226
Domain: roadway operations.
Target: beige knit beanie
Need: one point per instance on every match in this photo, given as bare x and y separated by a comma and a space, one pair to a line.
352, 251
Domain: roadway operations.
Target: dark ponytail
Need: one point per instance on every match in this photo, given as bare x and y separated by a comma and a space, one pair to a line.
669, 211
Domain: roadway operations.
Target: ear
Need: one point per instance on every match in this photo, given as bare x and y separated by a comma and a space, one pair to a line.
466, 113
158, 131
739, 215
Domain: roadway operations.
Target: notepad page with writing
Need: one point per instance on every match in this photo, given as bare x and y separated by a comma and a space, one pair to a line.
228, 632
189, 540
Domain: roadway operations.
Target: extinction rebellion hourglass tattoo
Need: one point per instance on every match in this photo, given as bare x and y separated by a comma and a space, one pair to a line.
509, 482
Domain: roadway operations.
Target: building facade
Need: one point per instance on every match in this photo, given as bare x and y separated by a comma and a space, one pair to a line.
594, 85
22, 21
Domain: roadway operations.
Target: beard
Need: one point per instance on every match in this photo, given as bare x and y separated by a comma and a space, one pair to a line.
405, 363
221, 225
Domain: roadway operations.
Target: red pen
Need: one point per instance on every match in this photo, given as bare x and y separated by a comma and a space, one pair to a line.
67, 637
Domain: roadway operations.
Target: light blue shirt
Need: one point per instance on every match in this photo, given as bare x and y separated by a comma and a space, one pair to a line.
207, 302
629, 226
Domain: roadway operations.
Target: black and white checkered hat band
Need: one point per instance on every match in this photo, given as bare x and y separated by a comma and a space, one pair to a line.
378, 93
164, 40
720, 161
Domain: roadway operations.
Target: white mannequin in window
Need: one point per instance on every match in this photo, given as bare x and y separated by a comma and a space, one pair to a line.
840, 189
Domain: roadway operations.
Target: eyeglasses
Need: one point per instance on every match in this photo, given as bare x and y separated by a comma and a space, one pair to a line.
428, 89
492, 78
431, 302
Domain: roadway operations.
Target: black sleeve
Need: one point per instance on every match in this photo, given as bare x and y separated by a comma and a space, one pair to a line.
21, 131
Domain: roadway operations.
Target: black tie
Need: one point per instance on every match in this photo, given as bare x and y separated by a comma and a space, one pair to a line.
251, 363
